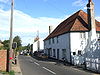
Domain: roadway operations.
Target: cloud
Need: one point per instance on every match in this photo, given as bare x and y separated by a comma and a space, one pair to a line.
25, 25
4, 1
79, 3
5, 4
98, 18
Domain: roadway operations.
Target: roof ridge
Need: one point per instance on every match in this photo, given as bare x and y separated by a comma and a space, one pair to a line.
76, 22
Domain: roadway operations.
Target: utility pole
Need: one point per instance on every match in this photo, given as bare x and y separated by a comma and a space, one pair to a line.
11, 36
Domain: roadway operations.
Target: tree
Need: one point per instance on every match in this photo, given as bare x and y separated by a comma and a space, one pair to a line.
6, 44
17, 39
28, 46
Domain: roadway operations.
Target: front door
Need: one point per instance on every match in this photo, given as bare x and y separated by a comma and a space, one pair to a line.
57, 53
64, 53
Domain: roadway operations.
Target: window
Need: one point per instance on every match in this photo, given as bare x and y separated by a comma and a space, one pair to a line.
54, 53
57, 40
79, 52
74, 53
98, 35
52, 40
49, 41
82, 35
50, 52
64, 53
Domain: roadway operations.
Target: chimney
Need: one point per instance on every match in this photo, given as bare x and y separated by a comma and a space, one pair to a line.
50, 29
91, 20
91, 17
90, 0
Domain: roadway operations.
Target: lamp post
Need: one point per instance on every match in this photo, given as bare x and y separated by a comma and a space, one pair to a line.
11, 37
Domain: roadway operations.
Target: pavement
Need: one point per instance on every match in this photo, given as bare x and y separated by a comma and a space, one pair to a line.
1, 74
16, 68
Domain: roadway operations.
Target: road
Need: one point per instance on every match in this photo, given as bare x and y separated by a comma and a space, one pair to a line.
32, 66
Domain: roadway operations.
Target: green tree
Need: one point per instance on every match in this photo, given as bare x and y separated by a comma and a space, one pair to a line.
17, 39
28, 46
6, 44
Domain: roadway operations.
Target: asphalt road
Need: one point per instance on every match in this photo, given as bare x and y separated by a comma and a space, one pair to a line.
32, 66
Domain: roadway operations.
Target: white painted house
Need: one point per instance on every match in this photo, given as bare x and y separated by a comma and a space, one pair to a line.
76, 39
36, 46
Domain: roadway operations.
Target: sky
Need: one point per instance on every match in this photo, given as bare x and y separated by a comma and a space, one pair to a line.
33, 15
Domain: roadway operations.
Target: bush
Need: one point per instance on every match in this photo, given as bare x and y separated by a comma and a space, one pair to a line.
11, 73
1, 47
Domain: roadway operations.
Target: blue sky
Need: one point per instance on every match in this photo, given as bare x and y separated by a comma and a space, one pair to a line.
52, 8
33, 15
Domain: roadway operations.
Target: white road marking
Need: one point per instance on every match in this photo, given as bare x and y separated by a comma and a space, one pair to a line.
36, 63
49, 70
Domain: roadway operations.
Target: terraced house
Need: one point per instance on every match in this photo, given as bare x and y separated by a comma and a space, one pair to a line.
76, 39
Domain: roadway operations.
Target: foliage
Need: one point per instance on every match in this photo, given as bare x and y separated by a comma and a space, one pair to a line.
6, 44
4, 72
24, 47
17, 39
11, 73
1, 48
8, 73
28, 46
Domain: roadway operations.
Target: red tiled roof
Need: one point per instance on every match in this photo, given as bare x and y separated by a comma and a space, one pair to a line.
76, 22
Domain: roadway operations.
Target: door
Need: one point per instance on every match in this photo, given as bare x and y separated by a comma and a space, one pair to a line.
57, 53
64, 53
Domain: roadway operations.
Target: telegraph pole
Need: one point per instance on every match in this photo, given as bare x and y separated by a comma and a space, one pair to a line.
11, 36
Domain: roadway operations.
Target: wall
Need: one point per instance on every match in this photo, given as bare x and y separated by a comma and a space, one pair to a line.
93, 55
78, 42
35, 45
3, 60
63, 43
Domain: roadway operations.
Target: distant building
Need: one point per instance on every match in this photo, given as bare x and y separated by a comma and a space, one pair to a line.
36, 46
76, 39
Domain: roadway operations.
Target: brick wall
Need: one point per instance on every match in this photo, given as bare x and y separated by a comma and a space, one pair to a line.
3, 60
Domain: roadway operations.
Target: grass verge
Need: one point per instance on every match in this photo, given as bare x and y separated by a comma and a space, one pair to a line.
11, 73
7, 73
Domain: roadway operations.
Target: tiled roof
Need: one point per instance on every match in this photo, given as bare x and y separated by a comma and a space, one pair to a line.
76, 22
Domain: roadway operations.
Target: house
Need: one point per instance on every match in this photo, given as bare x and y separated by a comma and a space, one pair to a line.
76, 39
38, 45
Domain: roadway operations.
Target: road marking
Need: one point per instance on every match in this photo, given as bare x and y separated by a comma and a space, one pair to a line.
36, 63
49, 70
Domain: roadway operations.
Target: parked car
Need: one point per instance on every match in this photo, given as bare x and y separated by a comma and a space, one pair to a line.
21, 53
44, 56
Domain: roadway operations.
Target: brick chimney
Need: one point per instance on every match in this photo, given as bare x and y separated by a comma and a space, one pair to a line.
91, 20
50, 29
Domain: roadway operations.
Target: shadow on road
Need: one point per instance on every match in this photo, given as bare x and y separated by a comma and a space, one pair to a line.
64, 64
